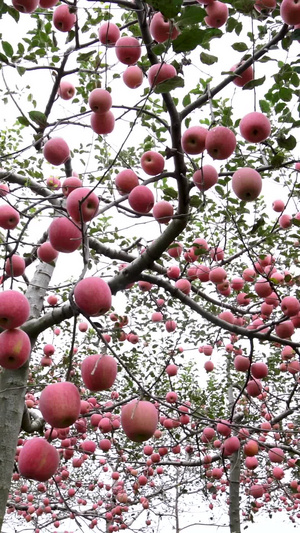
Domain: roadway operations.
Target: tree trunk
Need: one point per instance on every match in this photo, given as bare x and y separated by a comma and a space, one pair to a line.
234, 493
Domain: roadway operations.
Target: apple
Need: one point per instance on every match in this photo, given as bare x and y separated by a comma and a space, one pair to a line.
209, 366
208, 434
241, 79
285, 221
52, 299
217, 14
25, 6
259, 370
53, 183
290, 306
108, 33
157, 317
63, 19
139, 420
161, 29
276, 455
227, 316
128, 50
183, 285
100, 101
14, 309
241, 363
193, 140
15, 348
163, 212
56, 151
45, 4
126, 180
46, 252
231, 445
60, 404
66, 90
173, 272
133, 77
246, 184
205, 178
141, 199
4, 189
172, 370
285, 329
257, 491
203, 273
290, 12
64, 235
103, 123
99, 372
263, 288
220, 141
9, 217
15, 266
93, 296
160, 72
251, 448
83, 327
105, 445
152, 163
255, 127
237, 284
265, 6
82, 204
224, 428
38, 459
217, 275
170, 326
278, 206
254, 388
48, 350
69, 184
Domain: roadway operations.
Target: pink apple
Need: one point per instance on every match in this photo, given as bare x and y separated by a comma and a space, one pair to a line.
25, 6
52, 299
243, 78
99, 372
126, 180
205, 178
103, 123
183, 285
46, 252
246, 184
66, 90
276, 455
69, 184
128, 50
93, 296
257, 491
237, 284
203, 273
241, 363
161, 29
209, 366
53, 183
172, 370
141, 199
152, 163
255, 127
160, 72
263, 288
220, 142
133, 77
193, 140
290, 306
38, 459
15, 348
100, 101
278, 206
173, 272
60, 404
157, 317
4, 189
9, 217
170, 326
63, 19
175, 250
82, 204
64, 235
139, 420
217, 14
15, 266
254, 388
56, 151
290, 12
285, 221
217, 275
265, 6
14, 309
251, 448
285, 329
224, 428
108, 33
259, 370
231, 445
162, 212
45, 4
48, 350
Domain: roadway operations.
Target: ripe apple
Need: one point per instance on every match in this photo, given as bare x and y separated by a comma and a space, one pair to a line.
217, 14
173, 272
128, 50
285, 221
15, 348
205, 178
14, 309
220, 141
175, 250
103, 123
170, 326
224, 428
48, 350
251, 448
100, 101
278, 206
63, 19
66, 90
162, 212
290, 306
139, 420
254, 388
15, 266
126, 180
255, 127
203, 273
93, 296
157, 317
259, 370
38, 459
263, 288
60, 404
183, 285
133, 77
152, 163
99, 372
69, 184
217, 275
265, 6
172, 370
64, 235
276, 455
108, 33
45, 4
4, 189
290, 12
160, 72
82, 204
53, 183
231, 445
209, 366
161, 29
285, 329
9, 217
246, 184
241, 79
193, 140
56, 150
46, 252
241, 363
141, 199
257, 491
25, 6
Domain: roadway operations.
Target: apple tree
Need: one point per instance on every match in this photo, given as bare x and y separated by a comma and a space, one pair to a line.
149, 300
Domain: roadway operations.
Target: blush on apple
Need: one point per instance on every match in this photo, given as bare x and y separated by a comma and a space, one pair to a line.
64, 235
82, 204
15, 348
38, 459
60, 404
99, 372
93, 296
139, 420
14, 309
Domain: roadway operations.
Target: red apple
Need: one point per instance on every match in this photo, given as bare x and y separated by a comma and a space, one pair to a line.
46, 252
14, 309
220, 142
217, 14
45, 4
246, 184
251, 448
100, 101
139, 420
141, 199
170, 326
276, 455
285, 221
162, 212
278, 206
161, 29
290, 306
285, 329
53, 183
82, 204
160, 72
99, 372
152, 163
63, 19
241, 363
172, 370
4, 189
48, 350
103, 123
128, 50
243, 78
108, 33
25, 6
133, 77
126, 180
259, 370
15, 266
290, 12
255, 127
93, 296
60, 404
257, 491
38, 459
9, 217
15, 348
66, 89
254, 388
205, 178
193, 140
56, 151
69, 184
64, 235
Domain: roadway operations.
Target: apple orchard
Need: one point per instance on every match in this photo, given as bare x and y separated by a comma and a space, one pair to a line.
149, 303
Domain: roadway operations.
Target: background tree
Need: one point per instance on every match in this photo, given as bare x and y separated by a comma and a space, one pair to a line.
182, 158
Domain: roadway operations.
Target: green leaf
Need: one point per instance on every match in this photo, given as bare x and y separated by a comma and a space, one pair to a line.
277, 160
285, 94
191, 15
295, 222
188, 40
170, 192
264, 106
254, 83
169, 85
21, 70
23, 120
169, 8
159, 49
7, 48
240, 47
289, 143
3, 58
208, 59
186, 100
14, 13
195, 201
38, 117
86, 56
295, 35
